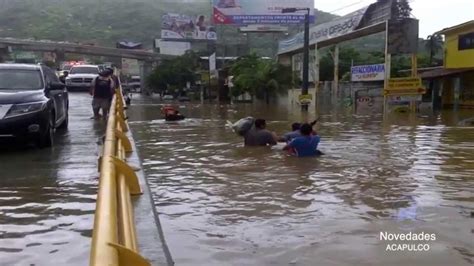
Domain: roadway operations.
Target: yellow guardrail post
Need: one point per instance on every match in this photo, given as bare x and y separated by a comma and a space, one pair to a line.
114, 240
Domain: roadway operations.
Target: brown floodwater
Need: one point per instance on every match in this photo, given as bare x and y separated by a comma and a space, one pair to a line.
223, 204
47, 196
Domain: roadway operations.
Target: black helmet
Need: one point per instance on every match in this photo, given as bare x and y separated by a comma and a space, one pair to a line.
104, 73
110, 69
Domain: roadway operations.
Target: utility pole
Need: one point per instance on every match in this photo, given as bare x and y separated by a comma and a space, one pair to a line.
304, 89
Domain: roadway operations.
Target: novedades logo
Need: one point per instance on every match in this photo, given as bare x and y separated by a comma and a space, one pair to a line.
385, 236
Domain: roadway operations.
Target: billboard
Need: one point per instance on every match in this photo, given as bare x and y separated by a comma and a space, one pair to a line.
173, 48
335, 28
248, 12
263, 28
130, 66
368, 72
179, 26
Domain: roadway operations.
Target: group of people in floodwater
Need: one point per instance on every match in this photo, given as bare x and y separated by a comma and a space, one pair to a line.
302, 141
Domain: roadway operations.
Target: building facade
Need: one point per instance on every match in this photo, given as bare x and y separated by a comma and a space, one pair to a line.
453, 84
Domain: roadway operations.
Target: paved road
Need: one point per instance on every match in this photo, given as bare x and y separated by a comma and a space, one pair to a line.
47, 197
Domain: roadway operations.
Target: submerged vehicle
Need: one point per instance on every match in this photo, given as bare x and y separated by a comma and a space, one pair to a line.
171, 114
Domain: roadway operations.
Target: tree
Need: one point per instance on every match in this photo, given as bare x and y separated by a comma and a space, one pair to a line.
401, 9
174, 73
434, 45
260, 77
346, 57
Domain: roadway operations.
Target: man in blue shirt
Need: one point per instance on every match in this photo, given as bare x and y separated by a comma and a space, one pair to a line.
306, 145
295, 132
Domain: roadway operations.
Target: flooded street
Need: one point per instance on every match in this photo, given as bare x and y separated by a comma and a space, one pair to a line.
223, 204
47, 197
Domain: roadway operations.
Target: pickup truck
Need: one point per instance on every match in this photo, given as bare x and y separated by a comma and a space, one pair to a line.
81, 76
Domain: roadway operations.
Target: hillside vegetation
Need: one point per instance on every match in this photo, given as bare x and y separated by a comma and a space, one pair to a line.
104, 22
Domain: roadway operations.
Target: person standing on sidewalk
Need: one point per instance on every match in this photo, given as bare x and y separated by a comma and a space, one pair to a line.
102, 91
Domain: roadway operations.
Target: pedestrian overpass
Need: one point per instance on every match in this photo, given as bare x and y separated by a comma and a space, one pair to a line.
62, 48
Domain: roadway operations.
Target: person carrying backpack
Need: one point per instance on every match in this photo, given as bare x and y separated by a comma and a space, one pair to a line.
102, 91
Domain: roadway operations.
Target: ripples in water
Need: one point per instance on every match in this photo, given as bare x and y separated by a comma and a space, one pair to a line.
222, 204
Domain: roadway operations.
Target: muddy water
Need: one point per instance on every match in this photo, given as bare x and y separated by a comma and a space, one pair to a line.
222, 204
47, 197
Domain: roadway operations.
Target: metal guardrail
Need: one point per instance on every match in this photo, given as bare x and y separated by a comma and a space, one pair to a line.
114, 240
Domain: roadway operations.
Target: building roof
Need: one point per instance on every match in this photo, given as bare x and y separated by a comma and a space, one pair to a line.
457, 27
443, 72
420, 69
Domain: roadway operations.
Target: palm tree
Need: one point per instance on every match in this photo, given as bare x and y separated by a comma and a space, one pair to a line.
434, 45
260, 77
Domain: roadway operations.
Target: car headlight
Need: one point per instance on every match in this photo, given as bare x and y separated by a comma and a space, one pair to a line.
25, 108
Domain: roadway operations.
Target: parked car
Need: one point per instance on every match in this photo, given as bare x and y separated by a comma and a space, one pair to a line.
168, 97
81, 76
184, 98
33, 103
135, 83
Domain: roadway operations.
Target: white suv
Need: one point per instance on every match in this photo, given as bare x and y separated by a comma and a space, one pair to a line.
81, 76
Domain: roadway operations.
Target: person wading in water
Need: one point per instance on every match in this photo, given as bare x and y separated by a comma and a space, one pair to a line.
102, 91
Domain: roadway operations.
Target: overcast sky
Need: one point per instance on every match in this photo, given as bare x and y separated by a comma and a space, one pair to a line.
434, 15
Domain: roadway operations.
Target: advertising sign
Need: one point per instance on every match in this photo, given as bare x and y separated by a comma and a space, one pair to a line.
173, 48
401, 99
413, 91
178, 26
305, 99
404, 86
404, 83
335, 28
368, 72
130, 67
264, 28
247, 12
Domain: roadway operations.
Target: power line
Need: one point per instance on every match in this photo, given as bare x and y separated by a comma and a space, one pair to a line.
344, 7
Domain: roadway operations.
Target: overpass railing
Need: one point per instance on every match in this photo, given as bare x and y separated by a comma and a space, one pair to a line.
114, 240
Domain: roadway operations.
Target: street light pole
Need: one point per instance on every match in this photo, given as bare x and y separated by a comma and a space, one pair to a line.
304, 89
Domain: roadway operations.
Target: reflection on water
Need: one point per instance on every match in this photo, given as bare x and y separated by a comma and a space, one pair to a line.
47, 197
222, 204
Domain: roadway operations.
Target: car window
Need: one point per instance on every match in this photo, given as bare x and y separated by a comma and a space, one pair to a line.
84, 70
15, 79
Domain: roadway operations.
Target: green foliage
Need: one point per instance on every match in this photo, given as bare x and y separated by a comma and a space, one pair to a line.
401, 65
434, 44
105, 22
173, 74
346, 57
259, 77
401, 9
